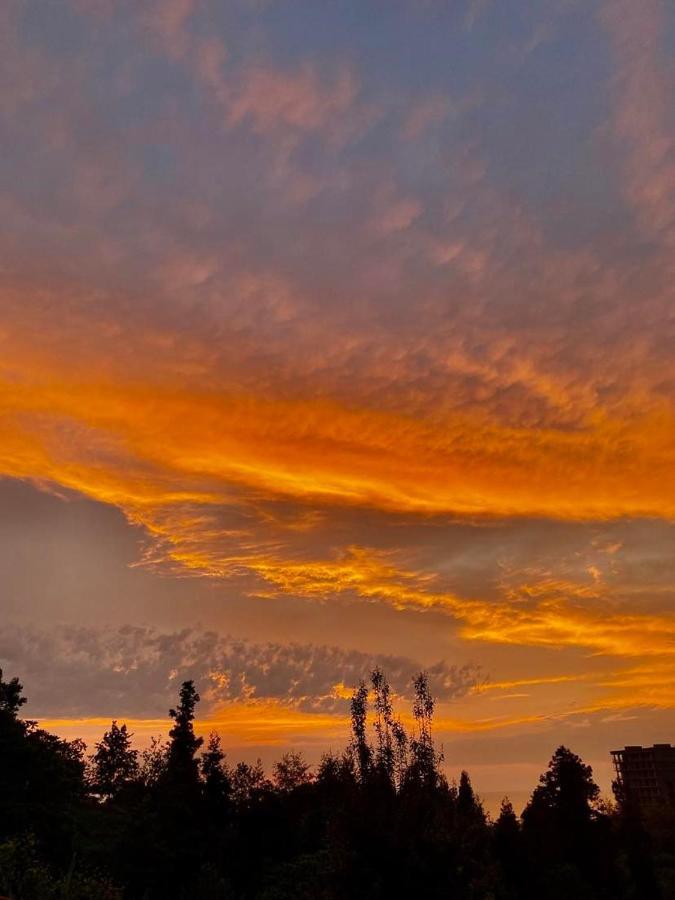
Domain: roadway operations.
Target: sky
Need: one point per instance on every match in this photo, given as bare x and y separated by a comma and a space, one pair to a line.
336, 335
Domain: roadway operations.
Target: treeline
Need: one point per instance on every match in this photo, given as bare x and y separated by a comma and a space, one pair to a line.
379, 820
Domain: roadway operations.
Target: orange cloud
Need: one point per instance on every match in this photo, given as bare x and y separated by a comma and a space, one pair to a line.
167, 444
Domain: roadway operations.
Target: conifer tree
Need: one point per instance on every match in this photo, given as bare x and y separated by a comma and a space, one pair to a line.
507, 843
468, 808
507, 825
182, 765
560, 821
216, 777
566, 792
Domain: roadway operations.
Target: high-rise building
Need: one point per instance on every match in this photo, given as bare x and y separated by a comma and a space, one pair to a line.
646, 774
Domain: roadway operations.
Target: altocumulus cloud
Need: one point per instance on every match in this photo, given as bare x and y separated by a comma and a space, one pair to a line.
135, 671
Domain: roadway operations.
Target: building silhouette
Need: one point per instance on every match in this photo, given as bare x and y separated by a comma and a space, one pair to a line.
646, 774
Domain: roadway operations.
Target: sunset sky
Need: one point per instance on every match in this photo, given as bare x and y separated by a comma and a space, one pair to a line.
336, 334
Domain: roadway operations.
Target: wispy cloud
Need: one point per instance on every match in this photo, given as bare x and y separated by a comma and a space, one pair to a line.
644, 122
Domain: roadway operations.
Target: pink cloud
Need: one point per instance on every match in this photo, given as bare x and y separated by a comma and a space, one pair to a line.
424, 115
102, 9
210, 56
643, 115
268, 98
167, 20
394, 212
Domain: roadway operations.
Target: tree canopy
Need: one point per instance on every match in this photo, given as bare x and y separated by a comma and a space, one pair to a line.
379, 820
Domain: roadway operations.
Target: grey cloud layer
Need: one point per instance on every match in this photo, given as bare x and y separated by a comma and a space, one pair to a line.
135, 671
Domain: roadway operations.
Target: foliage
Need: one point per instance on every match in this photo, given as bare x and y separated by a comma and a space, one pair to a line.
115, 763
291, 772
182, 765
376, 822
25, 876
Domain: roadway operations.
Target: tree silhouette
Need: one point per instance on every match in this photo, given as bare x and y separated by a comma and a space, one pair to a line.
566, 792
42, 781
215, 774
249, 784
182, 764
507, 828
153, 762
425, 761
401, 759
384, 726
362, 750
115, 762
291, 771
374, 824
468, 808
506, 839
11, 697
565, 833
179, 804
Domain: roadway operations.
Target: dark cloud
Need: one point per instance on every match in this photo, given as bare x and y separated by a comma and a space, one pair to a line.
134, 671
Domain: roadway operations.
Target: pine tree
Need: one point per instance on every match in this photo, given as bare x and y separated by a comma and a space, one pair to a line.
180, 804
561, 823
182, 764
566, 791
506, 840
217, 781
468, 808
507, 822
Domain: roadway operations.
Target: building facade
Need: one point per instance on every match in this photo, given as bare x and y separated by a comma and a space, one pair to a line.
646, 774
